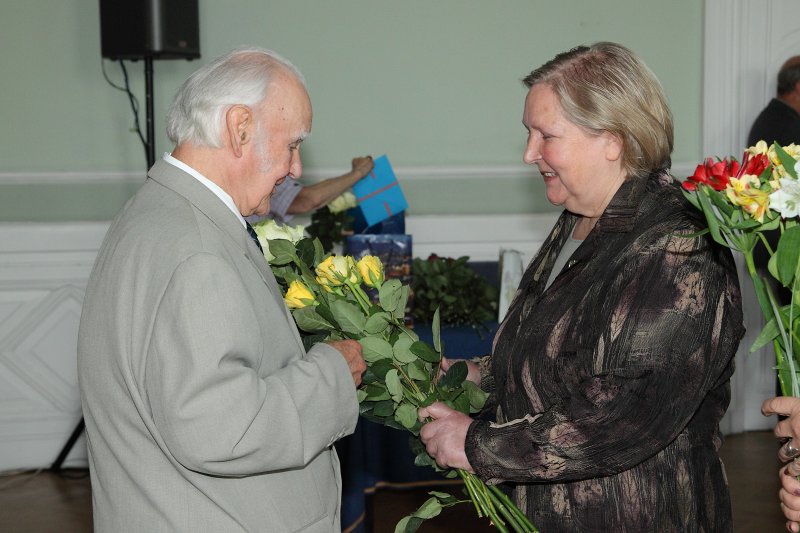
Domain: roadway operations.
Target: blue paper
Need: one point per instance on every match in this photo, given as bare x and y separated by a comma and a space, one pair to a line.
378, 193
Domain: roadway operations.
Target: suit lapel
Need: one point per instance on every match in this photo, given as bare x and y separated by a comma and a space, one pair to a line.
218, 213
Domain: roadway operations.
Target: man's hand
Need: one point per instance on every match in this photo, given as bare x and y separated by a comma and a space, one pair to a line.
362, 166
351, 351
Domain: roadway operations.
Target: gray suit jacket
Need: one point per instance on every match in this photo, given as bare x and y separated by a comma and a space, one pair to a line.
203, 411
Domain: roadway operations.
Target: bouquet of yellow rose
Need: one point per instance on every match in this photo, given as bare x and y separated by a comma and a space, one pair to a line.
329, 297
742, 201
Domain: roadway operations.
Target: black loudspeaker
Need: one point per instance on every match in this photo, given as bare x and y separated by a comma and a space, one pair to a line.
158, 29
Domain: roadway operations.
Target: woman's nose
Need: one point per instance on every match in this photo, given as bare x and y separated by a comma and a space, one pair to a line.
532, 151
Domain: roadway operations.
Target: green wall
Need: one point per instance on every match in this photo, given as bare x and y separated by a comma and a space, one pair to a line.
431, 83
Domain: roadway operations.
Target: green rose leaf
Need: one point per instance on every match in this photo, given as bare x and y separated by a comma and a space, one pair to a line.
455, 375
394, 386
436, 331
389, 294
314, 338
349, 317
361, 395
402, 350
305, 252
383, 409
400, 307
406, 414
309, 320
374, 349
381, 367
375, 392
319, 252
423, 459
377, 323
429, 509
408, 524
425, 352
415, 372
282, 250
444, 498
410, 333
461, 403
477, 397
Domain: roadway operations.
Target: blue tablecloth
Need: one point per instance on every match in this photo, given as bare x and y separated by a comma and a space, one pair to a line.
375, 456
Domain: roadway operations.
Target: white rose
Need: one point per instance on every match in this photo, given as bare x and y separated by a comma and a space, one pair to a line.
343, 202
269, 230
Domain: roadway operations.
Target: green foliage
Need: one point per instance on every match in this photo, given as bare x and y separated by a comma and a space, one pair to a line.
330, 228
462, 296
403, 373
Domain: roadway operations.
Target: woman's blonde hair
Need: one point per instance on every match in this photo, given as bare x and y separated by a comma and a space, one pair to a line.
606, 87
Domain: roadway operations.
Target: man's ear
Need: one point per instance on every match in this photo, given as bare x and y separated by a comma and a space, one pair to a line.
614, 146
239, 127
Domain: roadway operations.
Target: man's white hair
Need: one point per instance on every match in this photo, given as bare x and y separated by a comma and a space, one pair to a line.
240, 77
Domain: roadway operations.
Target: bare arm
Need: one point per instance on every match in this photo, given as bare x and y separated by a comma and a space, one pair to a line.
314, 196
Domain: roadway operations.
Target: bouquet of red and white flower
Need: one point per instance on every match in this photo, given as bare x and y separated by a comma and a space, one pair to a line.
741, 202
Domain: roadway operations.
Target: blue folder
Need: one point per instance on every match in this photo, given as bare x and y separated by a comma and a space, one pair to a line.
379, 194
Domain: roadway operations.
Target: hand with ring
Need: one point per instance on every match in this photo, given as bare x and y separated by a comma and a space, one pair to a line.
788, 452
787, 429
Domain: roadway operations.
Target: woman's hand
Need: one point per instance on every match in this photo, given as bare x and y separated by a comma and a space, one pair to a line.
790, 495
473, 371
445, 434
787, 429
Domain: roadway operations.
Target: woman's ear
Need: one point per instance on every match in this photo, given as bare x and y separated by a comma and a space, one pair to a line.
614, 146
239, 127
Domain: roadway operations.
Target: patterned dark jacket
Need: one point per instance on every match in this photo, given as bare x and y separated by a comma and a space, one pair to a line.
611, 383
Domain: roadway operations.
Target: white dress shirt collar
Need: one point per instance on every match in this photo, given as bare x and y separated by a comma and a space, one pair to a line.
213, 187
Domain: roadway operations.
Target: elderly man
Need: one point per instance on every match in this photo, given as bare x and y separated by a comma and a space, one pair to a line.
203, 411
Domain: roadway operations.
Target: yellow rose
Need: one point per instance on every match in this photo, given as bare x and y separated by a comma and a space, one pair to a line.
371, 270
296, 294
335, 270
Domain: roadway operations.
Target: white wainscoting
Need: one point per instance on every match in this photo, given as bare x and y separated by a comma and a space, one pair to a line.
43, 273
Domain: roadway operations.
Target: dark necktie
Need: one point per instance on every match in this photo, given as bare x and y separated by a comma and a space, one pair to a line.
252, 233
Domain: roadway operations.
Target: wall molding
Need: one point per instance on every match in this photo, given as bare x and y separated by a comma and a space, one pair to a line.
44, 268
408, 173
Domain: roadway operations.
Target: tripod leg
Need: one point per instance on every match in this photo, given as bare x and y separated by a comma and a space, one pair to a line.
68, 446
